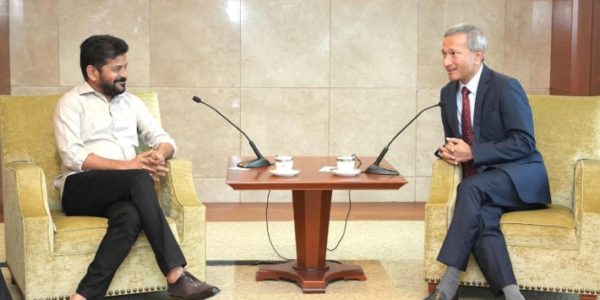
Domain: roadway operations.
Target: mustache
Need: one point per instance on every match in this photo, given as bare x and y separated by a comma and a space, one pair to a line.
120, 80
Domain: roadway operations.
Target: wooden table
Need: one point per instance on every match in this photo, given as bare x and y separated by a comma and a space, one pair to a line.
311, 195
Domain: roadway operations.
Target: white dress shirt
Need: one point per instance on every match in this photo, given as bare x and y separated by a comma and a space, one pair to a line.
85, 123
472, 87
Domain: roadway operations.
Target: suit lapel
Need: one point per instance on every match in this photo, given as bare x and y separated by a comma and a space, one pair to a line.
481, 89
451, 109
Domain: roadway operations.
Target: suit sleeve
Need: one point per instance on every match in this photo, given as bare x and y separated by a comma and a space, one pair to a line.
445, 123
515, 114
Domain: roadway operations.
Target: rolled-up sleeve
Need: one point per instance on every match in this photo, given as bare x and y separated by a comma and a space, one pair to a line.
150, 131
67, 130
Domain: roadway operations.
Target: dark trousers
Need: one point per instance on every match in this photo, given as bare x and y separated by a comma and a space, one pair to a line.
480, 202
4, 292
128, 200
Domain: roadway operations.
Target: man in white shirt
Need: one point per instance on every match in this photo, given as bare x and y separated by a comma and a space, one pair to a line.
488, 126
97, 126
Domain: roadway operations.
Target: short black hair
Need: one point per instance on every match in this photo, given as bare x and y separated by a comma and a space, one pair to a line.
97, 50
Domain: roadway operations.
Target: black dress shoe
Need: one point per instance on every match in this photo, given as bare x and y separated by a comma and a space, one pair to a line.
438, 295
188, 287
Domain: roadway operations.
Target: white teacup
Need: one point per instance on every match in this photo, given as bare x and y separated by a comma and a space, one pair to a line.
284, 163
346, 163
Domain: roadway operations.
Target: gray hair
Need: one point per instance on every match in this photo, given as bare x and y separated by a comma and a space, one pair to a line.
475, 38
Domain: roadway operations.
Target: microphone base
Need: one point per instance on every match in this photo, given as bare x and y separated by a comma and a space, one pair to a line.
254, 163
375, 169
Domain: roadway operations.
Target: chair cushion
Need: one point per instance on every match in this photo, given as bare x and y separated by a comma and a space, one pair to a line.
79, 235
552, 227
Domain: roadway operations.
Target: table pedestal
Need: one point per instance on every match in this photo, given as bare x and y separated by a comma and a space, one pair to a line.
310, 270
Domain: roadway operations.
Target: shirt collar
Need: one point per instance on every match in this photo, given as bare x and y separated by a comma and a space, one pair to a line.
473, 83
86, 88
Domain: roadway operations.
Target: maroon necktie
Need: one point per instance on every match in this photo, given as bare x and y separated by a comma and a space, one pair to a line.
467, 132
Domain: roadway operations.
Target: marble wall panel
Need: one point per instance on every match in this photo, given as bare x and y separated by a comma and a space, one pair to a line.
285, 43
374, 43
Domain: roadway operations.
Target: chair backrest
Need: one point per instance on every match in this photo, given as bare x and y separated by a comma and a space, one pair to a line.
567, 129
26, 134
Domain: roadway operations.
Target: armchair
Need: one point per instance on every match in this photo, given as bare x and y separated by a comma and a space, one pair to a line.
48, 253
556, 249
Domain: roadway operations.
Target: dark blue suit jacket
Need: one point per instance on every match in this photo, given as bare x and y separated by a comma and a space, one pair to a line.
503, 133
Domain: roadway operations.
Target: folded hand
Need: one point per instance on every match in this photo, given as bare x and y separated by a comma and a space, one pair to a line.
456, 151
154, 163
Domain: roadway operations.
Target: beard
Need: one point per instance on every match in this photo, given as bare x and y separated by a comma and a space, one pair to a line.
111, 88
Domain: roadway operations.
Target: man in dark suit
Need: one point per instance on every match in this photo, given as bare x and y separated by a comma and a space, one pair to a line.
488, 126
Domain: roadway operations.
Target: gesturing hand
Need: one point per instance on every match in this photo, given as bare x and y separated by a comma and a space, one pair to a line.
456, 151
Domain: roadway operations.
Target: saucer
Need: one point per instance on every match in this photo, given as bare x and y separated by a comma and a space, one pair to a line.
284, 173
346, 173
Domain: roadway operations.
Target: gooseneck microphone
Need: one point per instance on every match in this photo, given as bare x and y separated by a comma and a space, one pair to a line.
260, 161
375, 168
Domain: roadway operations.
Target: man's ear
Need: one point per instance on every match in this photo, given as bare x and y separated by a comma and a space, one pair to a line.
479, 56
92, 73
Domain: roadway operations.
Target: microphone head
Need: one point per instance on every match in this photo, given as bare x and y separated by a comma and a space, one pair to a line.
197, 99
442, 103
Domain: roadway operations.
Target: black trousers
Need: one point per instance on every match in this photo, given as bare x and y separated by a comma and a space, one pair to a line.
480, 202
128, 200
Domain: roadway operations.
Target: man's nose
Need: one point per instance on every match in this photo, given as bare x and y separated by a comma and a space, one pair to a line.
447, 61
124, 73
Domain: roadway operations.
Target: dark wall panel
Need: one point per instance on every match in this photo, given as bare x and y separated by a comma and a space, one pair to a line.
575, 55
560, 57
581, 47
595, 77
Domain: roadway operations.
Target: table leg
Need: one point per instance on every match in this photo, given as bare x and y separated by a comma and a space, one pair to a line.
310, 271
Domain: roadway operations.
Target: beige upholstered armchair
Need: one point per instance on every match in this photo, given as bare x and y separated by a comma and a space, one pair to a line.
48, 253
555, 249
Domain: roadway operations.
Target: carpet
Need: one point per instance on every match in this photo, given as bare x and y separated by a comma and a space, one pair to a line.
390, 252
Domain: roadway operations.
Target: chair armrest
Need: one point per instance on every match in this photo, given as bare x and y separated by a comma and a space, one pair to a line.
28, 226
444, 180
179, 201
440, 206
25, 182
587, 187
438, 213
